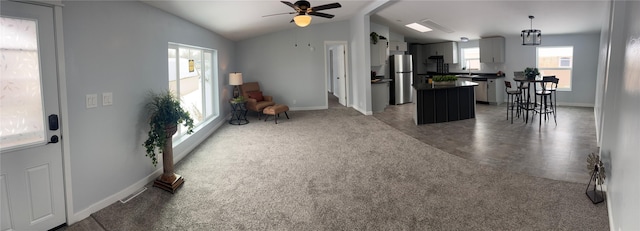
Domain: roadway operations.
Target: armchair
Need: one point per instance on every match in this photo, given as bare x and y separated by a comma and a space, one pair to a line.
255, 100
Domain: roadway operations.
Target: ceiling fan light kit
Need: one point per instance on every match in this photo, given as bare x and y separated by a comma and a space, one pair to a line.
531, 36
304, 11
302, 20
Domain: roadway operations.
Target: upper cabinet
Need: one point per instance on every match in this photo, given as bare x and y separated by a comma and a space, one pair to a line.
419, 58
492, 50
448, 51
379, 53
397, 46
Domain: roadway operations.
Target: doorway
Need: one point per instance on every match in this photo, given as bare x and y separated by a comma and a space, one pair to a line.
336, 71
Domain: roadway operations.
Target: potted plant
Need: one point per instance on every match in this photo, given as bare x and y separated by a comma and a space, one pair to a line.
531, 72
165, 113
374, 37
444, 79
238, 99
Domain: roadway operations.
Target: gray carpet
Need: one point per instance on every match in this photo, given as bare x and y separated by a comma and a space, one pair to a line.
339, 170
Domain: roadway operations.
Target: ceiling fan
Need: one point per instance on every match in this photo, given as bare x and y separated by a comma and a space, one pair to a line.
303, 9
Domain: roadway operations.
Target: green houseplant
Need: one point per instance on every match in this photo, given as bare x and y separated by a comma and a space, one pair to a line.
374, 37
444, 79
238, 99
165, 113
531, 72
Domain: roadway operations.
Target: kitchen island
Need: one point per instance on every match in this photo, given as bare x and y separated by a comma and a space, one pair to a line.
443, 103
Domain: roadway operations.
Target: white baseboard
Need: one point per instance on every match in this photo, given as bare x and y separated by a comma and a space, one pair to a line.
364, 112
81, 215
576, 104
308, 108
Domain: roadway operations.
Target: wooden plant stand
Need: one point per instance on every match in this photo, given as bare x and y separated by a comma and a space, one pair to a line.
168, 181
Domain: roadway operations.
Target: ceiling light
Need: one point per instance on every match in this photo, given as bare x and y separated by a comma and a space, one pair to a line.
464, 39
531, 36
302, 20
418, 27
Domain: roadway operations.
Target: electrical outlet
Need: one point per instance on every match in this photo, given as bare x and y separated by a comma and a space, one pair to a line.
92, 100
107, 98
294, 101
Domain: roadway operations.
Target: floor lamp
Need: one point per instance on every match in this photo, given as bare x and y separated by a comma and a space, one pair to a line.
235, 80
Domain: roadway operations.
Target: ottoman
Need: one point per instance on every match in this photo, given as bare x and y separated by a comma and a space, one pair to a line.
275, 111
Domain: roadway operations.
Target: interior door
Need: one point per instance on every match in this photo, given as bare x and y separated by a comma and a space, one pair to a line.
31, 182
341, 69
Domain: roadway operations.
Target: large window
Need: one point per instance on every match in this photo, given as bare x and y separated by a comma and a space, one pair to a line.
192, 77
471, 58
556, 61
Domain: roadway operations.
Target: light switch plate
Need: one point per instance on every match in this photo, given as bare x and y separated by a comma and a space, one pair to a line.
107, 98
92, 100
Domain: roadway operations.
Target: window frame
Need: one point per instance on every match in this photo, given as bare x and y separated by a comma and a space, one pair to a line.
570, 67
464, 59
207, 81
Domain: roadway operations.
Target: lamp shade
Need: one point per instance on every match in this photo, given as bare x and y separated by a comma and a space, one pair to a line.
235, 78
302, 20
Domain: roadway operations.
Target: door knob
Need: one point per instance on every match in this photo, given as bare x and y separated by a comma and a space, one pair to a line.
54, 139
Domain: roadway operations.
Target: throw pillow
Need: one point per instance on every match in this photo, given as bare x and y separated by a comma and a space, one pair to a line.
256, 95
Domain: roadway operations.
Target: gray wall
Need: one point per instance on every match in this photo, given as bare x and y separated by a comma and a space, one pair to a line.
121, 47
621, 110
293, 75
518, 57
382, 31
585, 65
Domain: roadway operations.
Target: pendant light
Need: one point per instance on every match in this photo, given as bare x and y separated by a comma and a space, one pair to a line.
531, 36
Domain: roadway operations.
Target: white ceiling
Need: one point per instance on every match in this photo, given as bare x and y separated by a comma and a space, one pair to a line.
242, 19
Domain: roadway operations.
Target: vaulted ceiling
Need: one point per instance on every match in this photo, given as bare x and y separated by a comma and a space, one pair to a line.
242, 19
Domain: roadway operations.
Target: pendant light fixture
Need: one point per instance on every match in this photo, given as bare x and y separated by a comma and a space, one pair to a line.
531, 36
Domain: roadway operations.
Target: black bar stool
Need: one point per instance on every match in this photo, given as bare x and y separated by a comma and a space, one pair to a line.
513, 100
546, 104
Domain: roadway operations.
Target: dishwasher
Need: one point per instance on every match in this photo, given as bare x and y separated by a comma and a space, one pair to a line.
481, 90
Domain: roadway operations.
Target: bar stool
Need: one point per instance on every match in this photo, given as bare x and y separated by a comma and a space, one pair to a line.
513, 100
552, 87
546, 105
524, 91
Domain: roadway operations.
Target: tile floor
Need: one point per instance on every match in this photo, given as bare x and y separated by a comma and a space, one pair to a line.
551, 151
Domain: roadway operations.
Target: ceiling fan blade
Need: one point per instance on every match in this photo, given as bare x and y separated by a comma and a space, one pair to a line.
326, 7
321, 14
291, 5
278, 14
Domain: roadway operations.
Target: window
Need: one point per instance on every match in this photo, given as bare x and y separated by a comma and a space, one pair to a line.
471, 58
21, 105
556, 61
193, 77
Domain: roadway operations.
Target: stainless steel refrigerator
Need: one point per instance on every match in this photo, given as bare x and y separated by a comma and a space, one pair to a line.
401, 71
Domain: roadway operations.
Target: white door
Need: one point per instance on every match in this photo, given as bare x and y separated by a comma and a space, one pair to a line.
341, 73
31, 183
337, 69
